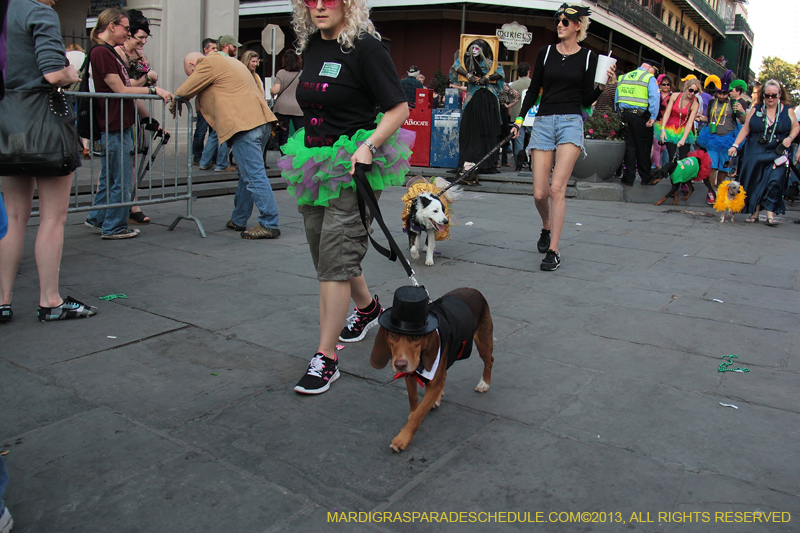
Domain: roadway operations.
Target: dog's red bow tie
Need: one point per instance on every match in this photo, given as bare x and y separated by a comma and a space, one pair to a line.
412, 374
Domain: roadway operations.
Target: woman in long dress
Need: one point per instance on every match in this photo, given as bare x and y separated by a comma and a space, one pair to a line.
770, 127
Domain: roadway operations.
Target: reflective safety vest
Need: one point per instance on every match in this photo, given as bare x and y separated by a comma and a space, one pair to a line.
632, 88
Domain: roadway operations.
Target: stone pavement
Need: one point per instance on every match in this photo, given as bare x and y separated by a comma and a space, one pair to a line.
173, 410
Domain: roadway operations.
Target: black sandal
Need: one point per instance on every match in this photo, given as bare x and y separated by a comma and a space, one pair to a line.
138, 218
6, 313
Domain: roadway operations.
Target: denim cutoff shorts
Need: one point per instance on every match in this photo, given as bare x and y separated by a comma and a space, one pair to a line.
551, 130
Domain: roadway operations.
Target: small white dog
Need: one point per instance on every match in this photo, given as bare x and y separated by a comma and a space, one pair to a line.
426, 215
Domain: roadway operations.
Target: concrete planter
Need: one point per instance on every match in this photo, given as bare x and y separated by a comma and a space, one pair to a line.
602, 159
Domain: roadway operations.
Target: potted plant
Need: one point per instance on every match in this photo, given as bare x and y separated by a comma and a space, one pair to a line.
603, 133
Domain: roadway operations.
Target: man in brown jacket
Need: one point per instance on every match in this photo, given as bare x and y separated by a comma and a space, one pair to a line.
228, 98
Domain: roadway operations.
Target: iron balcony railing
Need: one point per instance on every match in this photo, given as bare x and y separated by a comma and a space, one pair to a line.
710, 14
740, 24
707, 64
647, 22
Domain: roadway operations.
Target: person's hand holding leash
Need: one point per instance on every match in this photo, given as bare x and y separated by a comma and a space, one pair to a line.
362, 155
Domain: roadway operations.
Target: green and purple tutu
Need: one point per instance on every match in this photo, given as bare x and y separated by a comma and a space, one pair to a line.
317, 175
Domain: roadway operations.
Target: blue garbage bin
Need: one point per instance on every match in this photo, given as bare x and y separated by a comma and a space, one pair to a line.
444, 137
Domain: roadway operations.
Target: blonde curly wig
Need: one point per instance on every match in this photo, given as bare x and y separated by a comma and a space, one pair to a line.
356, 23
584, 22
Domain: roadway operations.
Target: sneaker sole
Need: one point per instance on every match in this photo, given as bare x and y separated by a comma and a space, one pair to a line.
548, 267
118, 236
363, 332
320, 390
94, 228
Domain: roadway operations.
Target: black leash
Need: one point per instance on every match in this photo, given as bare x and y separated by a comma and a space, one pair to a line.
366, 198
465, 173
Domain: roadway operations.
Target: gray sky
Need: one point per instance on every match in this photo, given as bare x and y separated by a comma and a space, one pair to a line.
774, 25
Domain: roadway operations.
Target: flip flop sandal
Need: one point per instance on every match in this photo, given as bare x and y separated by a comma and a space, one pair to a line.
771, 222
138, 218
751, 220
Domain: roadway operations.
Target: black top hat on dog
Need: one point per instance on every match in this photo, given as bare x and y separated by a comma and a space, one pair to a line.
409, 313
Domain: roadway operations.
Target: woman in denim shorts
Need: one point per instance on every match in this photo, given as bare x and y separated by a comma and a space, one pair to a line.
347, 74
563, 85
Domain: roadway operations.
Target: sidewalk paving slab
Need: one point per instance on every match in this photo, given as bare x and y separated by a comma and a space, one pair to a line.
605, 394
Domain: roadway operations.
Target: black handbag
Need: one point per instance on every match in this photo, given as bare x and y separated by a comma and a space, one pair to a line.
37, 134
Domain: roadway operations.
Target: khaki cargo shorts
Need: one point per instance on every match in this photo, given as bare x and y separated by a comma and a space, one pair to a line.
336, 237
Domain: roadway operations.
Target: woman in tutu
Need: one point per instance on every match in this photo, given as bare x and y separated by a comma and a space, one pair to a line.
348, 74
677, 125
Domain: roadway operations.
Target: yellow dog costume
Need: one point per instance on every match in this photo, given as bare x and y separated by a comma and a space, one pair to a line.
418, 185
723, 203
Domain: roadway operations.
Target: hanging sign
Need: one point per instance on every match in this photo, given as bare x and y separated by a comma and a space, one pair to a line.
514, 35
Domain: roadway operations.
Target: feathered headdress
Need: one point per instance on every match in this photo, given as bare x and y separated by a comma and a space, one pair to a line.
727, 78
713, 80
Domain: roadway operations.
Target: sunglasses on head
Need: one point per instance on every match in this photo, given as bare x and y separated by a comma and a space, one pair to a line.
564, 22
768, 95
313, 3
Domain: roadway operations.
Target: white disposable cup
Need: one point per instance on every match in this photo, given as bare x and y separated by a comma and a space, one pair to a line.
603, 64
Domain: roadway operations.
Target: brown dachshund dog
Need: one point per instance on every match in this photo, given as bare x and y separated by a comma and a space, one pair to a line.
455, 321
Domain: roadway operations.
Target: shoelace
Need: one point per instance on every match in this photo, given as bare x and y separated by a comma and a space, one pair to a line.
316, 366
352, 319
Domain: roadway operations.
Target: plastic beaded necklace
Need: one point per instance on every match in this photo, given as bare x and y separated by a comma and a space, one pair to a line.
721, 115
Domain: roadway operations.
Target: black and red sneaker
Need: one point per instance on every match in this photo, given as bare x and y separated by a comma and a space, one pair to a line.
321, 372
360, 322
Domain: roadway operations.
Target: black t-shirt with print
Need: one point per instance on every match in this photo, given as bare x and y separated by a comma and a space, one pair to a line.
341, 93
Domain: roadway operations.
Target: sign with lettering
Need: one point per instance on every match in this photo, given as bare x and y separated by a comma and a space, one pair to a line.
514, 35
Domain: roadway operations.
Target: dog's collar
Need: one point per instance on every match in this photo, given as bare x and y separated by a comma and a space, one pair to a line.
420, 374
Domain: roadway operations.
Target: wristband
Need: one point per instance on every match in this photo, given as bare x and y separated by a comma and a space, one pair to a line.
151, 89
518, 121
735, 147
372, 147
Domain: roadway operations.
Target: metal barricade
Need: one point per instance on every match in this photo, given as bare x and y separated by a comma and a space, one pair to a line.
138, 165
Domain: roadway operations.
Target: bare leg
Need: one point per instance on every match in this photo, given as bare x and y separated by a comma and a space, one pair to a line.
542, 164
53, 204
359, 292
566, 155
334, 302
18, 195
721, 176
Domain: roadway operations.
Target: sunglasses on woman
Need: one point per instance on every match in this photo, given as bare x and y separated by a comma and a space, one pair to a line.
767, 95
666, 84
564, 22
313, 3
691, 91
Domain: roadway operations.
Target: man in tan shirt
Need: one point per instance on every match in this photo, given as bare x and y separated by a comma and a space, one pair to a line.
229, 100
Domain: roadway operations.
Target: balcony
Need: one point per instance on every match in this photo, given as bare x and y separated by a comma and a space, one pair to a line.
740, 25
707, 64
645, 21
703, 14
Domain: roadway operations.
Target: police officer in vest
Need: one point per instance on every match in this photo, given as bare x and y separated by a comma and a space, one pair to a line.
637, 101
